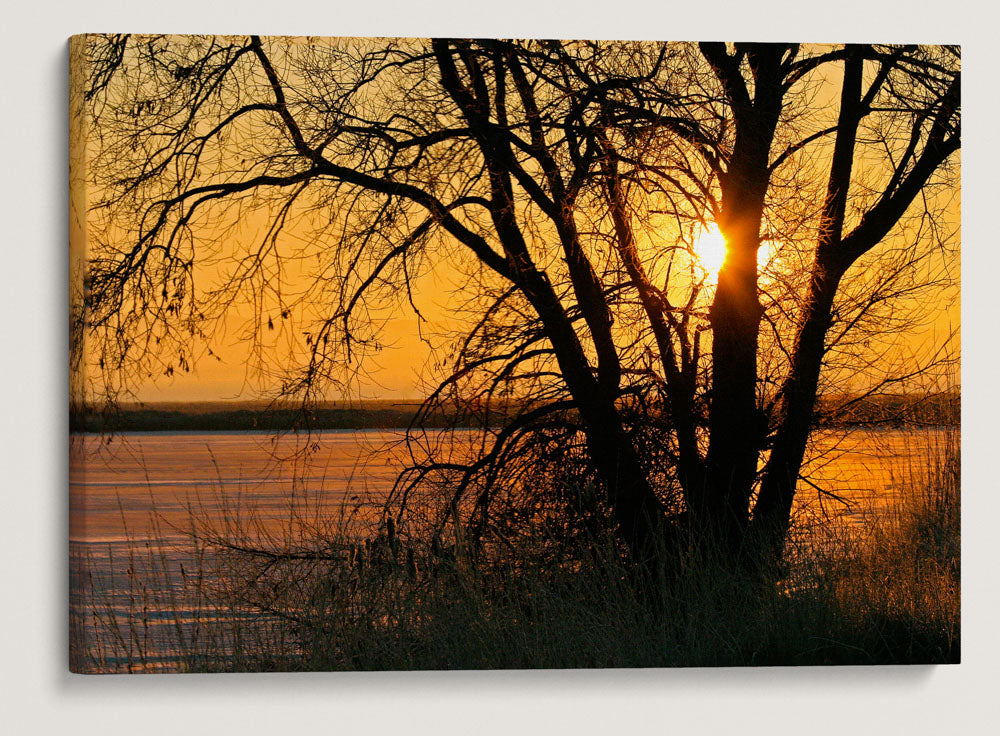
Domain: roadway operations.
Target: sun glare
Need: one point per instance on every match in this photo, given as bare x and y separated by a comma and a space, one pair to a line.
710, 249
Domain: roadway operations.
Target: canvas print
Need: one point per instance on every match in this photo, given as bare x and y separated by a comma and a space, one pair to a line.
394, 353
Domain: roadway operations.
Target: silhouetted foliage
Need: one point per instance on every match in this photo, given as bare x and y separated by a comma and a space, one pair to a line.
568, 182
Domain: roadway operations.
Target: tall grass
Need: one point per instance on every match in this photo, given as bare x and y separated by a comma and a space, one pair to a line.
323, 600
901, 579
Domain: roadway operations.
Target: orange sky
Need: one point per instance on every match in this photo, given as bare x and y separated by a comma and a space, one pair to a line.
395, 372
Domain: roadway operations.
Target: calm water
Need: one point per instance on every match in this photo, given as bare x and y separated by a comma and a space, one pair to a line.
132, 503
117, 489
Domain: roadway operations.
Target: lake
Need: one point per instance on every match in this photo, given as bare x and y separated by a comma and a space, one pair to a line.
133, 500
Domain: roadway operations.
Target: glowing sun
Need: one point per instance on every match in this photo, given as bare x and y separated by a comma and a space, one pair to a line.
710, 249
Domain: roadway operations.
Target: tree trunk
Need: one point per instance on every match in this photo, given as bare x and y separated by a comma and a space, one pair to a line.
736, 428
637, 512
736, 425
772, 513
734, 421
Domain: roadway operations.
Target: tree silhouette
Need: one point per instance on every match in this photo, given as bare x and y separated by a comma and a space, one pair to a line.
618, 381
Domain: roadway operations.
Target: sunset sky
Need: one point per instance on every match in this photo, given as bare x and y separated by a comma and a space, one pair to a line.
396, 371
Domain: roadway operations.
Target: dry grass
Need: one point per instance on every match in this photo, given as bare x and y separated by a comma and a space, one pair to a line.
319, 601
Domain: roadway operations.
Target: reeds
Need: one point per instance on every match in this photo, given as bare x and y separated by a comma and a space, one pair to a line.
324, 598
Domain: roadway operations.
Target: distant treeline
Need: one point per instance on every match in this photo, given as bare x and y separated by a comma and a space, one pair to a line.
221, 417
927, 409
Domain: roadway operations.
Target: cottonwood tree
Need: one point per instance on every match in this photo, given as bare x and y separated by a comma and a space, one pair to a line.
569, 183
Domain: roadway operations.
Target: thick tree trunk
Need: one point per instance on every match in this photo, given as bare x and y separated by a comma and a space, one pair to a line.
734, 421
736, 425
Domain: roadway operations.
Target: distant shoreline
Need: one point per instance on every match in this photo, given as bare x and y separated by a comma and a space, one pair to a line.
886, 411
149, 419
